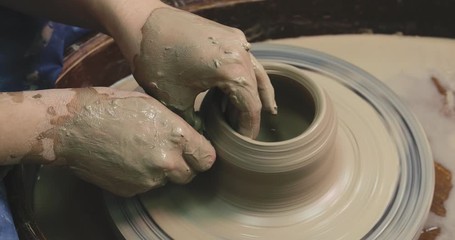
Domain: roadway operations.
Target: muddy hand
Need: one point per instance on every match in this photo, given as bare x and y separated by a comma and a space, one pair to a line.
127, 143
182, 55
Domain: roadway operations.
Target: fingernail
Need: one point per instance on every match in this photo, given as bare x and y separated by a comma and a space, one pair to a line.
274, 110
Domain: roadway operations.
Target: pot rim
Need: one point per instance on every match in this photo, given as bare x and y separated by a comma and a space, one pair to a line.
317, 93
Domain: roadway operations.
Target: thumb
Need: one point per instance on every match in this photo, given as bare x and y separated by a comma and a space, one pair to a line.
178, 98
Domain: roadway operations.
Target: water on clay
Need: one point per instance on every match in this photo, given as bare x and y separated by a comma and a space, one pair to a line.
296, 111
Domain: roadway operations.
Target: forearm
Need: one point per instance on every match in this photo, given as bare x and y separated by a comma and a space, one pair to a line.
30, 121
24, 118
124, 22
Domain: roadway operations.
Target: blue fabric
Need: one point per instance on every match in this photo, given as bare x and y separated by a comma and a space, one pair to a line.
31, 57
7, 229
31, 51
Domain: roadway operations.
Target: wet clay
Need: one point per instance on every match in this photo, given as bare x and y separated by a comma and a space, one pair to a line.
430, 233
17, 97
37, 96
263, 190
174, 66
442, 189
296, 113
281, 206
128, 145
269, 178
124, 142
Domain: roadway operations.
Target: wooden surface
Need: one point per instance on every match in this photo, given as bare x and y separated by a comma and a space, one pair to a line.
272, 19
442, 189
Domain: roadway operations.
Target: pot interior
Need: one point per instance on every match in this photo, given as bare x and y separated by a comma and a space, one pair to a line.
296, 111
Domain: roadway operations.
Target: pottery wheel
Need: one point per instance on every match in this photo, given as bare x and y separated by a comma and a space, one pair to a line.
380, 190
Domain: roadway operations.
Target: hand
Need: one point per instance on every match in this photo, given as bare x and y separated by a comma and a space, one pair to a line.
127, 143
177, 53
182, 55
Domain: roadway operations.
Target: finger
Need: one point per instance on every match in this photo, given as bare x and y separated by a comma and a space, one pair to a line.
246, 100
179, 172
180, 100
265, 88
115, 186
239, 84
198, 152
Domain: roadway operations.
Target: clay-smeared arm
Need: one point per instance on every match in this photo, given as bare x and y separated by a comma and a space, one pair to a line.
124, 142
92, 14
174, 54
122, 19
23, 117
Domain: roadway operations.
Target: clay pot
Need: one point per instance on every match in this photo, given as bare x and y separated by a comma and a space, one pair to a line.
291, 157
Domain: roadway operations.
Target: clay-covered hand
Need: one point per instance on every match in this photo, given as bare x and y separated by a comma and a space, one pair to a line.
127, 143
183, 54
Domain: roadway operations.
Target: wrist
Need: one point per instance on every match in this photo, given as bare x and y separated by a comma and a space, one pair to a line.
123, 20
26, 118
31, 121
